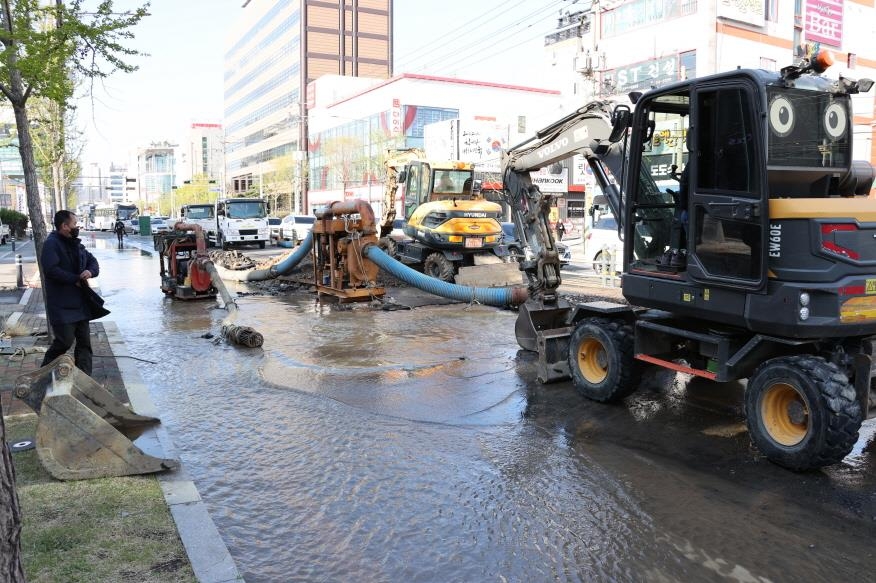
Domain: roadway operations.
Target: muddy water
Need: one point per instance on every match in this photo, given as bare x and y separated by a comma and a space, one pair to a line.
416, 445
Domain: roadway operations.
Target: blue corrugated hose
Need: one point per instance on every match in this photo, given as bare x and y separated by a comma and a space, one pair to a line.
491, 296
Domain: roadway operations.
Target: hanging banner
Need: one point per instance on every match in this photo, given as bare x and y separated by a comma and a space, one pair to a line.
824, 22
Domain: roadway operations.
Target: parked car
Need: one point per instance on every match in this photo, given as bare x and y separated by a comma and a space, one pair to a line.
603, 233
398, 232
159, 225
133, 226
274, 228
296, 227
515, 246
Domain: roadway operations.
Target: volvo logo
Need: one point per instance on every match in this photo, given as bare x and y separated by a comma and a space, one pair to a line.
474, 227
548, 150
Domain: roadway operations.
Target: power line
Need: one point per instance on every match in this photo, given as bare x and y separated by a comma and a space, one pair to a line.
469, 51
474, 22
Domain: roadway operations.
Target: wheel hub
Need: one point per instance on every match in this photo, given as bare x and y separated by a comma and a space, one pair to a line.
593, 360
785, 414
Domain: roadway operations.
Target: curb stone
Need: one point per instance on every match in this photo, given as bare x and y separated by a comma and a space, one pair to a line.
208, 555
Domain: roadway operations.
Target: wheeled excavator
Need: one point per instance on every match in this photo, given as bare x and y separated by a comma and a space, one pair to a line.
448, 224
759, 265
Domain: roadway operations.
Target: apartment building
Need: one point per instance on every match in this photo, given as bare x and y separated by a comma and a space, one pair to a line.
276, 49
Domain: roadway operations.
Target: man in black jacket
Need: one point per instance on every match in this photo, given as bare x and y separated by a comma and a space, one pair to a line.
119, 229
67, 266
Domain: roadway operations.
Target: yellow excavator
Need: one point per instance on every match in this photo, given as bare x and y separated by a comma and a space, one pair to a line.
448, 225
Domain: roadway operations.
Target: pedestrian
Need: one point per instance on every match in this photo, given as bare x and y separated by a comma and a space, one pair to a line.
119, 229
67, 267
561, 230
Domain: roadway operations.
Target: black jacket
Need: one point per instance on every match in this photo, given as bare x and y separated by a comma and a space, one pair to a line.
63, 259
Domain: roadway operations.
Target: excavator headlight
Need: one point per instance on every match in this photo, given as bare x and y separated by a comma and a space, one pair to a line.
804, 313
455, 238
804, 299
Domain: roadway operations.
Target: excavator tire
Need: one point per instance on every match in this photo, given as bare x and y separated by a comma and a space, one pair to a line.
802, 413
439, 267
389, 246
601, 360
514, 254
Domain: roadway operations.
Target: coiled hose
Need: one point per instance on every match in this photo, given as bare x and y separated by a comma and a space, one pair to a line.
242, 335
491, 296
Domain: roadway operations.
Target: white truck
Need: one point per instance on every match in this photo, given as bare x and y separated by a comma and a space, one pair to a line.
241, 221
203, 214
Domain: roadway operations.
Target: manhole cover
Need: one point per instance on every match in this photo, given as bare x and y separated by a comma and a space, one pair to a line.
21, 445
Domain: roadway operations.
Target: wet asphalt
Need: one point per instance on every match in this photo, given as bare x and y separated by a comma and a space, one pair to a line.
416, 445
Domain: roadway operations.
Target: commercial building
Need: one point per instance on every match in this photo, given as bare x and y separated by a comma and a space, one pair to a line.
611, 48
203, 154
277, 47
352, 124
156, 175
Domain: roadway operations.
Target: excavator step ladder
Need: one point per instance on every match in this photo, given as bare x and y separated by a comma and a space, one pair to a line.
83, 430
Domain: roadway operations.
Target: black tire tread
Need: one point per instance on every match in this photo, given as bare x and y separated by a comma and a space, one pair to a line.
443, 266
838, 396
628, 376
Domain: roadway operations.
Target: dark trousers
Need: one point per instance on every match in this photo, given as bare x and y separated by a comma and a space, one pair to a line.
65, 335
120, 234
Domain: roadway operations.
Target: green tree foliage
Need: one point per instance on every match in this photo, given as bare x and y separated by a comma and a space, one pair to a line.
45, 48
16, 221
196, 191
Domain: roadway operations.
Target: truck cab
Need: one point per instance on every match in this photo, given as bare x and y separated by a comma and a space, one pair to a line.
241, 221
203, 214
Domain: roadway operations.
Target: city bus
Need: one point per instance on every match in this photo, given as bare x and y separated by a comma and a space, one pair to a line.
105, 215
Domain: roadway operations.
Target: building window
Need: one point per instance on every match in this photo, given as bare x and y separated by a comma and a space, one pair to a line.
852, 60
772, 10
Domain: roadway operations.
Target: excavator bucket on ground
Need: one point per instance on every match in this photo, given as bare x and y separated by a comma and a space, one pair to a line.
83, 430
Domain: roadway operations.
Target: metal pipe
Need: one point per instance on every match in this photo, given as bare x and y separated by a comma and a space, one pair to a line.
349, 207
200, 240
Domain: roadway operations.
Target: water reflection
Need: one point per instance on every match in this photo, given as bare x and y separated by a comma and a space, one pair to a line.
417, 446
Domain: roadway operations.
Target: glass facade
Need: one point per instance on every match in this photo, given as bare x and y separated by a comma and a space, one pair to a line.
352, 154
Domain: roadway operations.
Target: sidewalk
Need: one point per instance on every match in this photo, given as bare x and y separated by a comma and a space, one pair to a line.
208, 555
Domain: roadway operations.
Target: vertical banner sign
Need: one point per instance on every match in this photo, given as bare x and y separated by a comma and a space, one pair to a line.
482, 142
824, 22
395, 122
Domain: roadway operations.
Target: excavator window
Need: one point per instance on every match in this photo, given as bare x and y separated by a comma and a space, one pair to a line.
412, 190
726, 131
725, 231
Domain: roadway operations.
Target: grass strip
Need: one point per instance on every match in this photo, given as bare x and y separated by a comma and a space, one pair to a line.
106, 529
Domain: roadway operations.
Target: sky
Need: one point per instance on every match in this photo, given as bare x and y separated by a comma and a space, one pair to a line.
180, 81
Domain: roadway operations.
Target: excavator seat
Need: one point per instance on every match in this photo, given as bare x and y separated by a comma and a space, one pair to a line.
83, 430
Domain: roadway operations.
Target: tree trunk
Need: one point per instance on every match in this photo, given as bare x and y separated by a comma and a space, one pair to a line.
11, 569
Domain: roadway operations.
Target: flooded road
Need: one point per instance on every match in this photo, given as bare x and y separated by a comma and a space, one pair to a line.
416, 445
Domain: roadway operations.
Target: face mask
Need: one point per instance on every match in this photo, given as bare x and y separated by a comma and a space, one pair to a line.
74, 232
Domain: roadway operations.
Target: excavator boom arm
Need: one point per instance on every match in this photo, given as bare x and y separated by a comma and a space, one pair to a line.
589, 131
